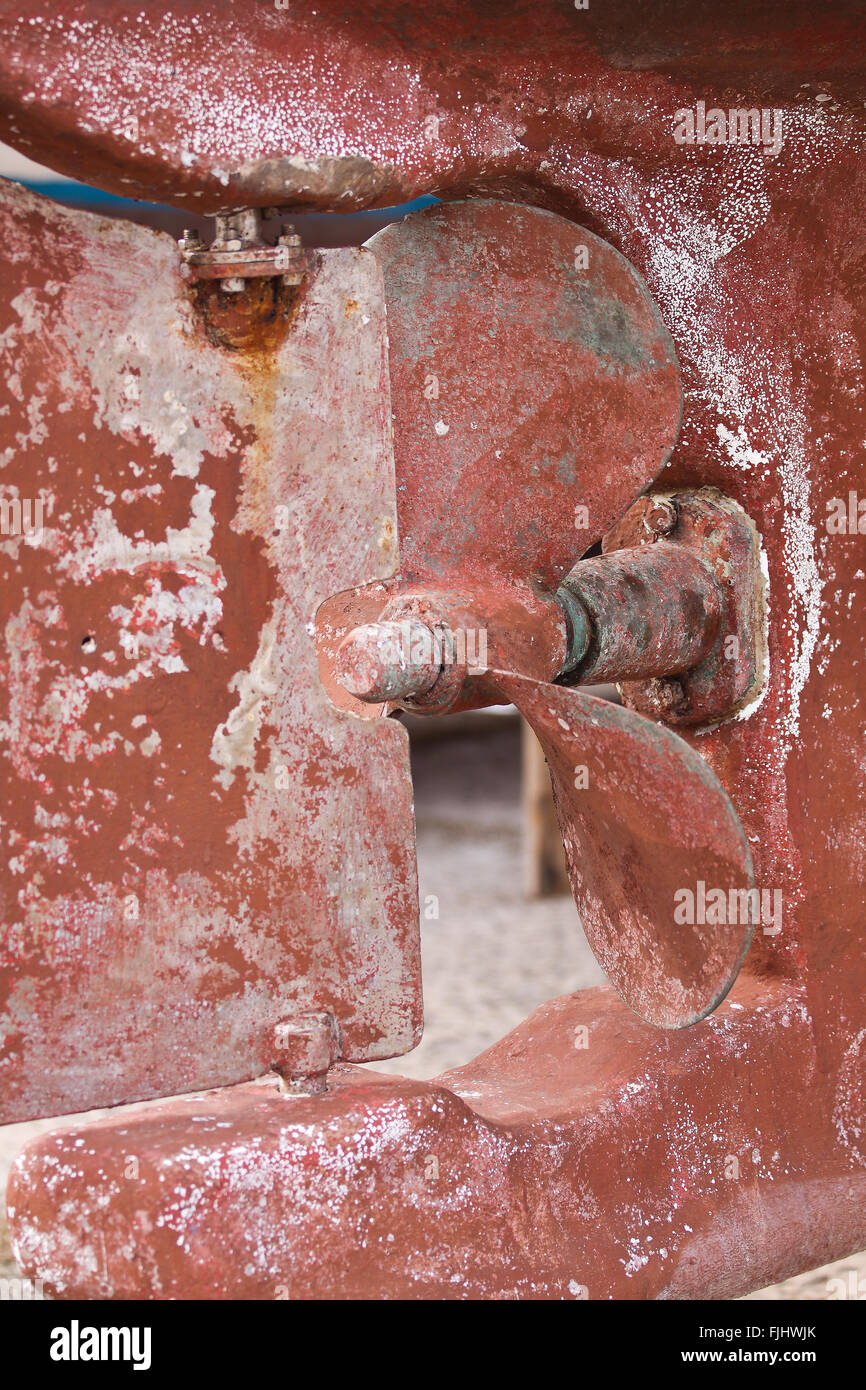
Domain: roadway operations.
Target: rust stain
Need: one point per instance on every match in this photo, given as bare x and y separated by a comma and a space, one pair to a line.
256, 320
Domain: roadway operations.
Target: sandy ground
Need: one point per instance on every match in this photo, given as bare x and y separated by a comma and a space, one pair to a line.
491, 956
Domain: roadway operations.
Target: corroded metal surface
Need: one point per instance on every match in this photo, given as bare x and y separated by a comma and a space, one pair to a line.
644, 823
193, 853
754, 252
729, 674
652, 612
685, 608
240, 252
585, 1156
485, 531
678, 592
536, 392
332, 105
754, 258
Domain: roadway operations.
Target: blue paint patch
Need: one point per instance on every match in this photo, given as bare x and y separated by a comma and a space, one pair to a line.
79, 194
75, 194
427, 201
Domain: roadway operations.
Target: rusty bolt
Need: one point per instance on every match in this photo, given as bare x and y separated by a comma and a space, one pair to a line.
294, 251
234, 231
380, 662
661, 518
191, 241
665, 697
306, 1046
239, 245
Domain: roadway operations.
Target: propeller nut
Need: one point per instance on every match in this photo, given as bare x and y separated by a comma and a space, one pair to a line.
387, 661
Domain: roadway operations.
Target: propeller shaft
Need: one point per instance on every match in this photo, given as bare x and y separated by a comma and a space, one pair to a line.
651, 611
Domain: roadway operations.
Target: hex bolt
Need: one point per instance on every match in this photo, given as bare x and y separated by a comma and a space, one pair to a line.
294, 253
385, 661
234, 231
661, 518
305, 1047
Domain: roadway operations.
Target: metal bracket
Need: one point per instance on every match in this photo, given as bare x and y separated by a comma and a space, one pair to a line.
239, 253
731, 674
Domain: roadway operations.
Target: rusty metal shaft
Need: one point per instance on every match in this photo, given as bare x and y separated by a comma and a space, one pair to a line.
652, 611
633, 614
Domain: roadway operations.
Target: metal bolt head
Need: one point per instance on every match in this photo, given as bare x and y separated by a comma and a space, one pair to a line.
305, 1047
666, 696
293, 246
384, 661
661, 518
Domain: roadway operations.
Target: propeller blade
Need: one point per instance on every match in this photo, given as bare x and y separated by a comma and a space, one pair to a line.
534, 386
658, 861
